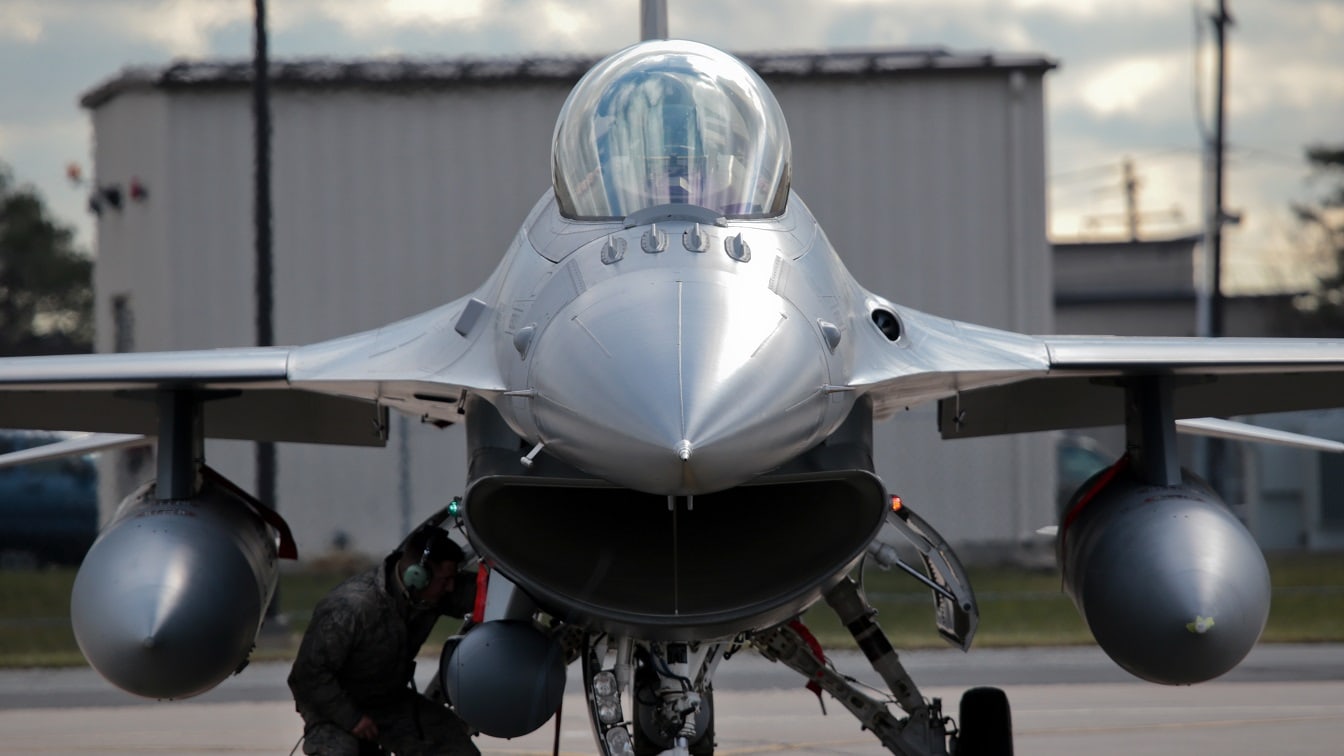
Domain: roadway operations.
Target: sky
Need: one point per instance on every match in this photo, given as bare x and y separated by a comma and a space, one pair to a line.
1130, 84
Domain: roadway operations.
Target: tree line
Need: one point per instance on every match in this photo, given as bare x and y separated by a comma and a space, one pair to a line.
46, 284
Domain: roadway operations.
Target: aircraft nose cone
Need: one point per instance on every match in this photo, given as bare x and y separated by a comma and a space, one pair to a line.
679, 387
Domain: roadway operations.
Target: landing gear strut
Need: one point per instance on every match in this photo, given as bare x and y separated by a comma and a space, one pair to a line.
986, 725
923, 732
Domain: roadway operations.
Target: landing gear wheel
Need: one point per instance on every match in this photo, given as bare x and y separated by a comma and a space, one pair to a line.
986, 724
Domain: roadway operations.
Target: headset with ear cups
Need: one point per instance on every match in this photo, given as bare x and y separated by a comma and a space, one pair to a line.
416, 577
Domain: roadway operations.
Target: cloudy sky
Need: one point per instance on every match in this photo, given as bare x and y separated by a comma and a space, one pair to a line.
1127, 83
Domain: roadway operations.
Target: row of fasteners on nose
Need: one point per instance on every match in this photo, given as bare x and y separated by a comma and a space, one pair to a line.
693, 239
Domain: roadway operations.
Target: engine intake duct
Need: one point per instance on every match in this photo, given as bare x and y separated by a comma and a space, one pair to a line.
749, 556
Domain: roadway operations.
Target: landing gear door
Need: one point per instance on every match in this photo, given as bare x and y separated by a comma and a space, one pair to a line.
955, 612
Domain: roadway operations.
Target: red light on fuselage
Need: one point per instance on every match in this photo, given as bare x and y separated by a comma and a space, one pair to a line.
896, 503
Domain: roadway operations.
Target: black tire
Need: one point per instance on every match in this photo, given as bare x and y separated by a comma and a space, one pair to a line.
986, 724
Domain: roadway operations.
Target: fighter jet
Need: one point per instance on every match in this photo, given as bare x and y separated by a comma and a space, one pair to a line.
669, 386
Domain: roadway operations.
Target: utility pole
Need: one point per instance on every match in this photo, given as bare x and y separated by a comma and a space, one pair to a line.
1131, 200
261, 219
1215, 449
652, 20
1132, 217
1221, 20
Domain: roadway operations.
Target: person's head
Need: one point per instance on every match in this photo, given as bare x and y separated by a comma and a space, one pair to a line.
428, 565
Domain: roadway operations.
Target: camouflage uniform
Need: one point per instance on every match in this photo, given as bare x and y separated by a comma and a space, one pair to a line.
358, 657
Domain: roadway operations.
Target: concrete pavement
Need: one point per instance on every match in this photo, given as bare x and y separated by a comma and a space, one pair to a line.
1282, 700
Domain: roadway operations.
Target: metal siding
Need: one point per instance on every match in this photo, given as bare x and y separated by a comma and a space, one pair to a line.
389, 204
1172, 318
913, 187
128, 134
919, 189
1037, 271
211, 297
1034, 465
208, 149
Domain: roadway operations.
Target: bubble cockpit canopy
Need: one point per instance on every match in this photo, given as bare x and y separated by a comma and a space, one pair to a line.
671, 122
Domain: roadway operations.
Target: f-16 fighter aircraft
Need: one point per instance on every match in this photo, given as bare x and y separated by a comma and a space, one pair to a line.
669, 386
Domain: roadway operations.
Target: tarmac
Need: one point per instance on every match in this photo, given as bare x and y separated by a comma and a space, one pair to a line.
1283, 699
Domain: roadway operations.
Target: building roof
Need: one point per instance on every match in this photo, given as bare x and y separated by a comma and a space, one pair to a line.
1143, 270
1101, 246
397, 73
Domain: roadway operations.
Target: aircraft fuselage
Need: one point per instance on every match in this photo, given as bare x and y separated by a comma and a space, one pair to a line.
677, 356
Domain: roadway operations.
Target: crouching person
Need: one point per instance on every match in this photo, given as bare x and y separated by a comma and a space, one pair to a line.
352, 679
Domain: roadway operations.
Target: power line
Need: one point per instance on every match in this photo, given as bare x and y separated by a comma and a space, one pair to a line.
1111, 167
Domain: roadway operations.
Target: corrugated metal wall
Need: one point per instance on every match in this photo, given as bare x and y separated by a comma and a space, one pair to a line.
931, 186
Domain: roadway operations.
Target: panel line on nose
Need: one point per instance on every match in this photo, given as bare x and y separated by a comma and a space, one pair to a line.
591, 335
778, 324
681, 363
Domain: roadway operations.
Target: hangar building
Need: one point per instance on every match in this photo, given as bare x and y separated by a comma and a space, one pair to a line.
398, 184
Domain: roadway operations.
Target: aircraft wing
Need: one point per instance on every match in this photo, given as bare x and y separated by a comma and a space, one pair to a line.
334, 392
990, 382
